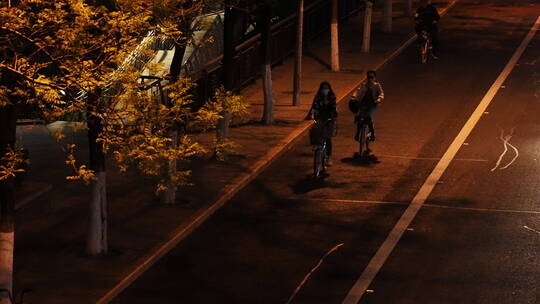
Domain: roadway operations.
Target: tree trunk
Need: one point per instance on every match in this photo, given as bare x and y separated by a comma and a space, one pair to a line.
7, 204
334, 32
168, 196
97, 228
408, 8
387, 16
366, 41
298, 54
222, 131
229, 48
265, 15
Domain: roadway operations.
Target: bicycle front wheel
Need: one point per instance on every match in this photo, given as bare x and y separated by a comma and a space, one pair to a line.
318, 159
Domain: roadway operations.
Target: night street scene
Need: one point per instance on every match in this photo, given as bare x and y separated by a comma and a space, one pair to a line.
270, 151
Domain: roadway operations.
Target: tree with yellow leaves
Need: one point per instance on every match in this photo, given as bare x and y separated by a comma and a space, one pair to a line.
75, 56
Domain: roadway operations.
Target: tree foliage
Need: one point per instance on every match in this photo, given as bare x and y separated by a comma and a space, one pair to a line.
85, 58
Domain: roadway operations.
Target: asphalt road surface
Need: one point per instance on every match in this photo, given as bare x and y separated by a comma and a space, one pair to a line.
476, 239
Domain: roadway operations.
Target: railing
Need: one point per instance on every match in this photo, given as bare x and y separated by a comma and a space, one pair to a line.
247, 61
206, 51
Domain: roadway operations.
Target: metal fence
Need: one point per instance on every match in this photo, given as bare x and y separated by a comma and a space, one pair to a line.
247, 61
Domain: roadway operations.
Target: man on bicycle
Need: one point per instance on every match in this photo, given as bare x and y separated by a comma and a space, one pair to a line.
426, 18
324, 109
370, 94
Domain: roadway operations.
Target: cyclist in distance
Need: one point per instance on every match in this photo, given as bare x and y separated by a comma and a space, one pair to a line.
370, 94
323, 109
427, 17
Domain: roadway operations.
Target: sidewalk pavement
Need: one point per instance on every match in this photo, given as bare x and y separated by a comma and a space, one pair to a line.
49, 255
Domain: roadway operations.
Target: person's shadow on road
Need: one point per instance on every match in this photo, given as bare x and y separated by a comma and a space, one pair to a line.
361, 160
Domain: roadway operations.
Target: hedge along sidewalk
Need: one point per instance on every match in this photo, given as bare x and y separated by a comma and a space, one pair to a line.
142, 232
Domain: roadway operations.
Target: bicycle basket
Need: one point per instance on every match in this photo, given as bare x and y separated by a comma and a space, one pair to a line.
320, 132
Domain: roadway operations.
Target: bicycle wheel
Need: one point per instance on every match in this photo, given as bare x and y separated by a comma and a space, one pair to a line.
318, 161
362, 140
424, 51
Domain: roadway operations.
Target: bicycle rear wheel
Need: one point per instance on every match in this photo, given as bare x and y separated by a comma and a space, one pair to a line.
424, 47
362, 140
318, 161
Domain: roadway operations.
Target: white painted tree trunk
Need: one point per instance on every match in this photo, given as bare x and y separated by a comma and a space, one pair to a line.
387, 16
97, 232
298, 56
7, 242
334, 32
168, 196
366, 41
222, 130
268, 95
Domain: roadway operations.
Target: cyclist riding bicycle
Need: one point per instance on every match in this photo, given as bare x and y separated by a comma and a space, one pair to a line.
369, 95
323, 109
426, 18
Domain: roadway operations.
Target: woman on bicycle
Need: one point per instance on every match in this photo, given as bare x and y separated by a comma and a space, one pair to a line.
323, 109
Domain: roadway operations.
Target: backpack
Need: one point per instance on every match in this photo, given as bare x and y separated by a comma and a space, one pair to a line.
354, 105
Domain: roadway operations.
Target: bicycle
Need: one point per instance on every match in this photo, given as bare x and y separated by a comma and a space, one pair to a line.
362, 129
319, 134
424, 46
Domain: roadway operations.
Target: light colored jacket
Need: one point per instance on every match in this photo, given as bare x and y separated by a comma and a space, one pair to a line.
378, 93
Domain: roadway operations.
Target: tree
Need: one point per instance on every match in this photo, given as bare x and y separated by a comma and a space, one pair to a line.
408, 8
334, 32
298, 53
76, 56
366, 41
387, 16
264, 24
51, 52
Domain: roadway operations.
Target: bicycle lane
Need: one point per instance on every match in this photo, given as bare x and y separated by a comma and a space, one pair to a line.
476, 239
259, 247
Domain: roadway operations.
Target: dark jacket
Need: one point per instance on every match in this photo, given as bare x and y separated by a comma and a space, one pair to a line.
427, 16
322, 111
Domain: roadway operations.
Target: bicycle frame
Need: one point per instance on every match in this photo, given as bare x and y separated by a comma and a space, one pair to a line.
424, 45
319, 159
363, 140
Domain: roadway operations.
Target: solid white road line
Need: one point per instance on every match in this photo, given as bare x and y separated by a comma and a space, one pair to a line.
378, 260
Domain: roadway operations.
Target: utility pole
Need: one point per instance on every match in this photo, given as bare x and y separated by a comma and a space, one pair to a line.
298, 55
334, 37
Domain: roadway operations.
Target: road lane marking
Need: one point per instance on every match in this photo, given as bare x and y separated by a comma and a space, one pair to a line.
429, 158
346, 201
312, 271
495, 210
533, 230
382, 254
331, 200
506, 142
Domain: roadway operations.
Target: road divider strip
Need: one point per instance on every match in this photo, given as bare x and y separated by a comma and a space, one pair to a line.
232, 189
382, 254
